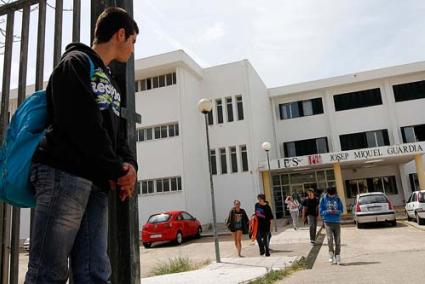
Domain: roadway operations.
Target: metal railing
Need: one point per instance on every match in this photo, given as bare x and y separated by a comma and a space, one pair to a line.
125, 232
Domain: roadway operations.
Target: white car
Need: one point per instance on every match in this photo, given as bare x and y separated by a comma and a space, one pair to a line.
415, 207
373, 207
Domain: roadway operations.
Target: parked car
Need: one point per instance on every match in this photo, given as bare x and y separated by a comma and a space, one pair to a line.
415, 207
373, 207
170, 226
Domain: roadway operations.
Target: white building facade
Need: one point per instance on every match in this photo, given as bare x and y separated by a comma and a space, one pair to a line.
361, 133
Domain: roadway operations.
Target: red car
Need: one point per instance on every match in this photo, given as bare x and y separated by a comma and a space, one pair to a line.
170, 226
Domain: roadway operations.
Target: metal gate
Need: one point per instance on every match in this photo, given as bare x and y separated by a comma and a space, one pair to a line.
125, 256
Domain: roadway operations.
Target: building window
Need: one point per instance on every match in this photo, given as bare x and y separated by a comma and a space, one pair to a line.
213, 162
143, 85
160, 132
239, 105
223, 160
414, 182
161, 185
301, 108
358, 99
306, 147
157, 132
386, 184
229, 108
409, 91
244, 157
156, 82
364, 140
413, 133
219, 106
233, 159
136, 86
210, 118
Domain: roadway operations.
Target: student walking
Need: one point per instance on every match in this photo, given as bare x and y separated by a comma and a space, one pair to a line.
331, 209
237, 223
264, 216
310, 213
294, 209
83, 155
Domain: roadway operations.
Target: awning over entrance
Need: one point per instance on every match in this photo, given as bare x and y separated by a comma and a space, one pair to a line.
336, 161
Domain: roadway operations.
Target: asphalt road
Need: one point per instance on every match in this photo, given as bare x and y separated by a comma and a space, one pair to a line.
376, 254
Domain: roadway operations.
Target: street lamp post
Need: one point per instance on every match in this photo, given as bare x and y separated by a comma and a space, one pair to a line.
205, 106
266, 147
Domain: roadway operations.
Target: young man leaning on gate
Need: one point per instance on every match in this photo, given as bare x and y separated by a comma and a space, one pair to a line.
83, 155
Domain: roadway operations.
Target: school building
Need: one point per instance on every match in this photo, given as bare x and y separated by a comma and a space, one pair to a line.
360, 132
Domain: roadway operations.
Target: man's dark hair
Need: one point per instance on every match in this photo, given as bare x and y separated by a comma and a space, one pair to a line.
112, 20
261, 196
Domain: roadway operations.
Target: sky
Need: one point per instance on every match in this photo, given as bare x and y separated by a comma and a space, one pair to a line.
286, 41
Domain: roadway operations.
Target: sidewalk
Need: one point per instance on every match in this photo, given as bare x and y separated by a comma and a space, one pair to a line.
287, 247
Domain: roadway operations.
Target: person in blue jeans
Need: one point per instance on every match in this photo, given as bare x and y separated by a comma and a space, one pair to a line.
83, 155
331, 209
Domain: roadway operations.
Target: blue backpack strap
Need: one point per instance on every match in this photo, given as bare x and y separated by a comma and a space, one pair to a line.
91, 66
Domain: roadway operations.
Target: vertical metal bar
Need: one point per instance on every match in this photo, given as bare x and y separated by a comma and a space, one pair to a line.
7, 65
123, 222
6, 243
57, 47
76, 18
273, 203
39, 73
4, 120
16, 212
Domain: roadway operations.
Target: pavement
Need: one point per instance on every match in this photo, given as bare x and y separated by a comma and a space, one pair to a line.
376, 254
288, 246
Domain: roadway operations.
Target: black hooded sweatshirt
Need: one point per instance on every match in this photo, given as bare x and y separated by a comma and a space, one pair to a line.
85, 134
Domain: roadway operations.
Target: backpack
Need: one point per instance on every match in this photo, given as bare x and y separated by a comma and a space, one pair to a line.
25, 131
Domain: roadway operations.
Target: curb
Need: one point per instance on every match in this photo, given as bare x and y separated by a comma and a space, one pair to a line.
413, 226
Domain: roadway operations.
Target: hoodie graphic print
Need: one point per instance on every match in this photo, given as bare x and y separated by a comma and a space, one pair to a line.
106, 94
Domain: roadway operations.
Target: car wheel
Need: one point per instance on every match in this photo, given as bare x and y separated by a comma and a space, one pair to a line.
147, 245
419, 220
179, 238
394, 223
198, 234
359, 225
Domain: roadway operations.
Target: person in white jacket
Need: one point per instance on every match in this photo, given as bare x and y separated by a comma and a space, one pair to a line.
294, 209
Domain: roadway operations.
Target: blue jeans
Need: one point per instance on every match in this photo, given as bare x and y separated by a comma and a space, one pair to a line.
70, 223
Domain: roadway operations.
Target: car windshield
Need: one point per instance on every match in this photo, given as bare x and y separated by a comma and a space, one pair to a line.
159, 218
421, 197
370, 199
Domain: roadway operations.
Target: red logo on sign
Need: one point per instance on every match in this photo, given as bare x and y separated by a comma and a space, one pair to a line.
314, 159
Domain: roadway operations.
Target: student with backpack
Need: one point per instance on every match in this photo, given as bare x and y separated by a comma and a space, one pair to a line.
82, 156
331, 209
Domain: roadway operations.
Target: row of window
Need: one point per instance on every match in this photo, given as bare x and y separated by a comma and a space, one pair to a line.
351, 141
234, 165
156, 82
385, 184
228, 107
352, 100
161, 185
158, 132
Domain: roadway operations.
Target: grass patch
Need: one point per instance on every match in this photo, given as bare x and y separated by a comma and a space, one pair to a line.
176, 265
275, 275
